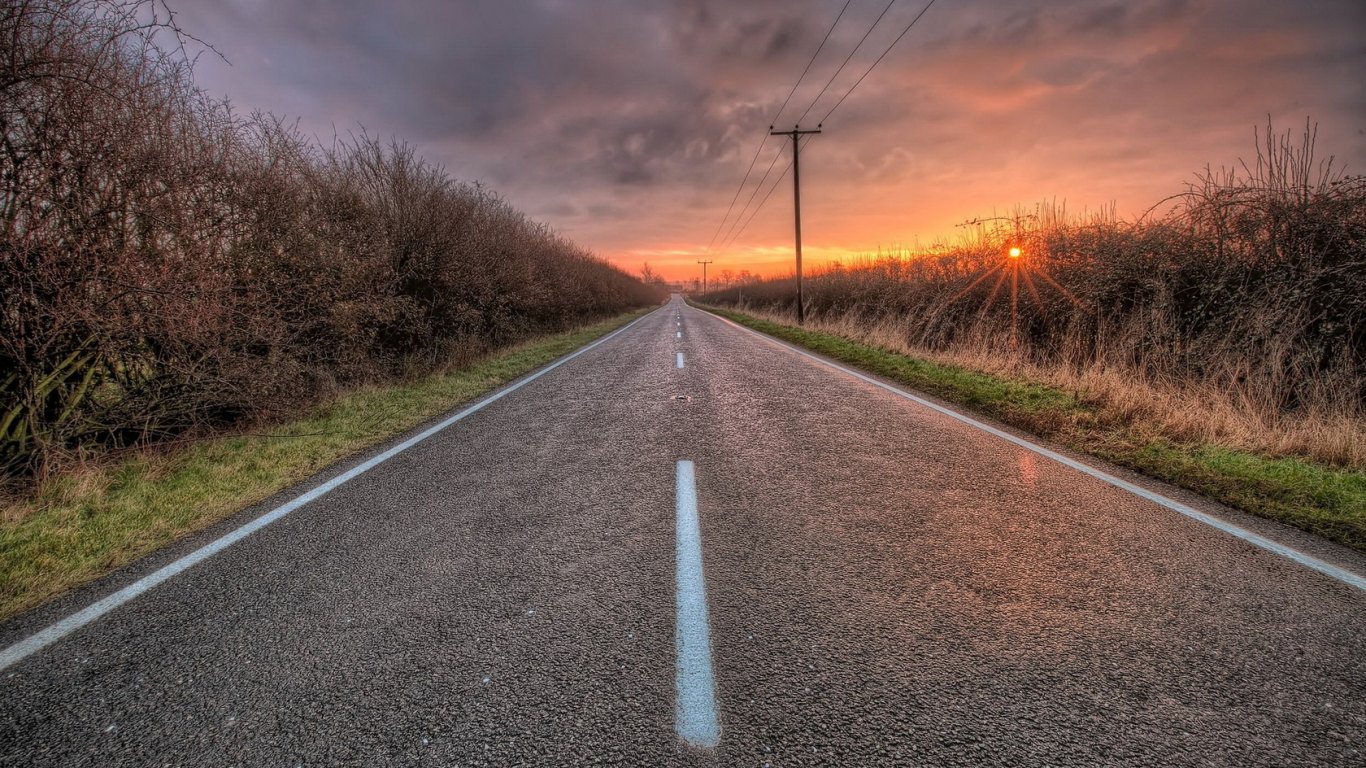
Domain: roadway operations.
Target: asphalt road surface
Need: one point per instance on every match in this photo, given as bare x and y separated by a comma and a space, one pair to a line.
789, 566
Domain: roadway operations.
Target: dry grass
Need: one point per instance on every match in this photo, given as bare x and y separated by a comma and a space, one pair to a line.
1179, 410
1326, 500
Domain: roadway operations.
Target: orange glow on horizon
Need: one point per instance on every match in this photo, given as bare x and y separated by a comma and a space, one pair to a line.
1015, 252
775, 259
763, 261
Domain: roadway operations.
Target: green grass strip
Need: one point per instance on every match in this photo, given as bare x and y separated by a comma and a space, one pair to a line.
1328, 501
82, 526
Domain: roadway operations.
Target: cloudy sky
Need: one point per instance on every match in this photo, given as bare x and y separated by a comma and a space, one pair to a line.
628, 124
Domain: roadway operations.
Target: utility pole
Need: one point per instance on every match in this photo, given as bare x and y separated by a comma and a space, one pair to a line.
796, 133
704, 274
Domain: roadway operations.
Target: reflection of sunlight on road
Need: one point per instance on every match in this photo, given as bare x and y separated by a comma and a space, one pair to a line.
1028, 473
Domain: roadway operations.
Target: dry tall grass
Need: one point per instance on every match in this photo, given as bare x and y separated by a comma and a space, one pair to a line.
1234, 314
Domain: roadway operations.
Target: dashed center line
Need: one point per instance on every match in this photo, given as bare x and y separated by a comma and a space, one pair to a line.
680, 360
695, 713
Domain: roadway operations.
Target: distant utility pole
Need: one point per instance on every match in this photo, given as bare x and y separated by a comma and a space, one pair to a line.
796, 133
704, 274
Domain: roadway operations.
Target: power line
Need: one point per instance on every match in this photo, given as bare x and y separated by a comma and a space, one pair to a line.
846, 60
832, 109
738, 190
878, 61
774, 121
757, 187
767, 195
809, 63
730, 238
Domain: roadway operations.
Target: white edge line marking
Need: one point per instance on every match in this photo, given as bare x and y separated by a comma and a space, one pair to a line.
695, 712
1308, 561
63, 627
679, 362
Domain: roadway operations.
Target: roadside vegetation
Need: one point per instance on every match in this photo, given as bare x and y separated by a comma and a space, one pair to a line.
199, 308
1323, 499
87, 522
170, 269
1218, 343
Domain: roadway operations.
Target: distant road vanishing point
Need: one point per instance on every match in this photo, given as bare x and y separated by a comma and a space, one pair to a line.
688, 544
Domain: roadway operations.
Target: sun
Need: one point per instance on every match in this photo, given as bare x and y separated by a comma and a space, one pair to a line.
1014, 270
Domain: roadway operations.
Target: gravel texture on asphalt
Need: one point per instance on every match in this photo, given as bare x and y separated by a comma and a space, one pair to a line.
886, 586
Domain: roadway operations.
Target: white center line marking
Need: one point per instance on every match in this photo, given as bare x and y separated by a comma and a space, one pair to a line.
680, 360
695, 714
679, 334
1257, 540
17, 652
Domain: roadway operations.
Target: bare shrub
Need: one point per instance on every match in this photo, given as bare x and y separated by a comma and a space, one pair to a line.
1236, 313
168, 266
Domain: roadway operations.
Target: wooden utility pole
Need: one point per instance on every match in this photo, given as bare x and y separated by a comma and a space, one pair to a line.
704, 274
796, 133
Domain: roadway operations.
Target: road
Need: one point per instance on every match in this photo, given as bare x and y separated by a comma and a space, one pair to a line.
866, 581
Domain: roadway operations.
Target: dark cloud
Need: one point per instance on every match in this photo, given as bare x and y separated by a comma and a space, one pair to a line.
627, 125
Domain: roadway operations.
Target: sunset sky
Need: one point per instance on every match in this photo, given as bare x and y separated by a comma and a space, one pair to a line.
628, 124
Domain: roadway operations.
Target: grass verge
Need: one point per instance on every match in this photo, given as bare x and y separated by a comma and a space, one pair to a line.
86, 524
1325, 500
